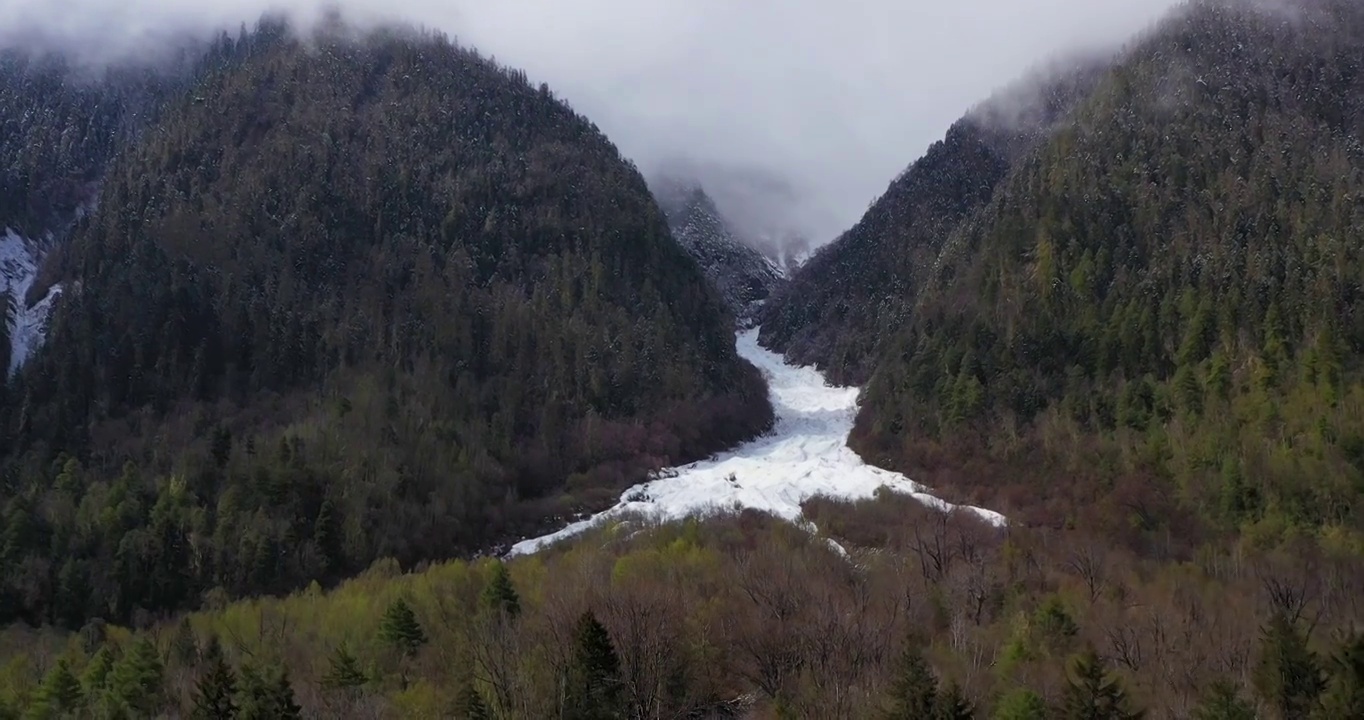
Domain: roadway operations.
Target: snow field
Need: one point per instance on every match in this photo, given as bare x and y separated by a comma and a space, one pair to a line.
806, 455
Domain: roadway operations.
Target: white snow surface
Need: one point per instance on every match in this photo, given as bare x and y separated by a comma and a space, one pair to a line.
19, 258
806, 455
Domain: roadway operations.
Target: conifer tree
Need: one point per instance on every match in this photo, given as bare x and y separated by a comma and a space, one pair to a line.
593, 691
184, 646
1223, 702
499, 594
471, 705
59, 694
1344, 696
1020, 704
1288, 675
1092, 695
267, 695
214, 695
400, 629
137, 680
952, 704
914, 691
96, 676
345, 672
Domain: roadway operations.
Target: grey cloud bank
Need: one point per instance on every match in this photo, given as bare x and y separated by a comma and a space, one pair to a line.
829, 99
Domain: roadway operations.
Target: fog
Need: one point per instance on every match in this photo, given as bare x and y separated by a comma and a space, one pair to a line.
807, 107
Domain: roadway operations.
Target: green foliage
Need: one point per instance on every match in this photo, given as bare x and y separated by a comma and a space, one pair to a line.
499, 594
96, 676
1133, 291
345, 672
1223, 701
1344, 693
267, 695
471, 704
385, 219
137, 682
1020, 704
60, 693
1092, 695
1287, 675
914, 689
400, 629
215, 692
952, 704
593, 689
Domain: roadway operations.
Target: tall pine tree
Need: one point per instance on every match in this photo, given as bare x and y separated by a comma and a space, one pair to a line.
952, 704
60, 693
914, 691
400, 629
499, 594
593, 691
137, 680
1288, 675
345, 672
1092, 695
215, 693
1223, 702
1344, 696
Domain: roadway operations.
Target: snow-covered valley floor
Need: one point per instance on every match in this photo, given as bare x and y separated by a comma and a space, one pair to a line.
806, 455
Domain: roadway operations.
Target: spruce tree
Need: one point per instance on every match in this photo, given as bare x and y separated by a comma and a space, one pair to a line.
1223, 702
184, 646
400, 629
499, 594
268, 695
593, 691
214, 695
96, 676
1288, 675
137, 680
1344, 696
1092, 695
345, 672
914, 691
59, 694
952, 704
1020, 704
471, 705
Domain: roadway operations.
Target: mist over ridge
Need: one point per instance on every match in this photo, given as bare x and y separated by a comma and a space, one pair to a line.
804, 109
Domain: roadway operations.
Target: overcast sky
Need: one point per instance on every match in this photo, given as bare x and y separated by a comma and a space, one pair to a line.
831, 97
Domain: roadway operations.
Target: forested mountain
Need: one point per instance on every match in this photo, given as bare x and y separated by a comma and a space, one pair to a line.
1154, 325
59, 128
742, 275
846, 300
350, 299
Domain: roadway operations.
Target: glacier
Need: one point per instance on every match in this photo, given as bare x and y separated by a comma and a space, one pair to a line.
806, 455
19, 260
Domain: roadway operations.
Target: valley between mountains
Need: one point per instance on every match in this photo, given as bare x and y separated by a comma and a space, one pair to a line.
354, 374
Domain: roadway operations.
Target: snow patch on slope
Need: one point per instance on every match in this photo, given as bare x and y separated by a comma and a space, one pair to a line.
806, 455
19, 259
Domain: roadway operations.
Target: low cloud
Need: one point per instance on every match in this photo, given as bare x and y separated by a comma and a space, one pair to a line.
824, 101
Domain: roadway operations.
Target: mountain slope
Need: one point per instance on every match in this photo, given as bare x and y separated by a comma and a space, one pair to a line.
1157, 315
743, 277
843, 302
59, 128
349, 300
